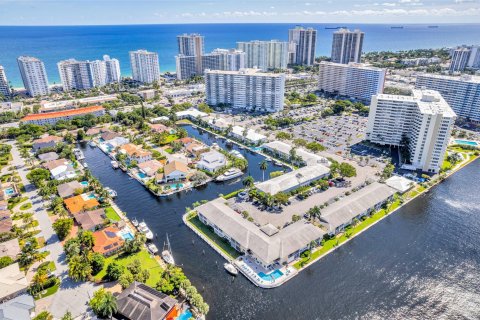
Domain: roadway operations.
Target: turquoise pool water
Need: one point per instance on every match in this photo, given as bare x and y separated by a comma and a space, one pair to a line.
84, 183
127, 235
466, 142
91, 196
187, 314
176, 186
9, 191
142, 175
275, 274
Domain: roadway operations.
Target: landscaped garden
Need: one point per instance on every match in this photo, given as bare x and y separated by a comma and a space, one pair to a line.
112, 214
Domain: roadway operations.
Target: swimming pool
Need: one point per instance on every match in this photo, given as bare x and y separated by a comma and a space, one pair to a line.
142, 175
176, 186
127, 235
268, 277
84, 183
187, 314
9, 191
91, 196
466, 142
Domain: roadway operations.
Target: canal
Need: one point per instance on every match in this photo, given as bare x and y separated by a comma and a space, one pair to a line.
421, 262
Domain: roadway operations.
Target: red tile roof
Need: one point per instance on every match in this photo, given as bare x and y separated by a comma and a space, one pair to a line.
58, 114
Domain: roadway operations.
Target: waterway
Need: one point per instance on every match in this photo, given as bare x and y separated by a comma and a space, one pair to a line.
422, 262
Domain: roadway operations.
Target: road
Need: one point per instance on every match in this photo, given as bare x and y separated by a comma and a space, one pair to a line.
71, 296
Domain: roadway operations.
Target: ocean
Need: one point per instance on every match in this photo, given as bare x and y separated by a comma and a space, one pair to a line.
52, 44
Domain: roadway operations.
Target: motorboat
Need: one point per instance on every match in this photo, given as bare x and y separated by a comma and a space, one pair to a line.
278, 163
114, 164
142, 227
78, 154
152, 248
85, 165
268, 159
112, 193
167, 252
92, 144
215, 146
230, 268
237, 154
135, 223
230, 174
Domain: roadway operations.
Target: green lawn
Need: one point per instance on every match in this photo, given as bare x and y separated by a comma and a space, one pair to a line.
147, 262
48, 292
221, 243
12, 202
26, 206
112, 214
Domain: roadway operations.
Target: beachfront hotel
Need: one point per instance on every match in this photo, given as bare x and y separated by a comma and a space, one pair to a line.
51, 118
347, 46
265, 55
145, 66
34, 76
246, 89
4, 87
353, 80
305, 40
425, 119
461, 93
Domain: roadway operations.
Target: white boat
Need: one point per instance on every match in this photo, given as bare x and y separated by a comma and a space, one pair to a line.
230, 268
92, 144
135, 223
268, 159
112, 193
215, 145
114, 164
152, 248
85, 165
237, 154
167, 252
142, 227
78, 154
230, 174
278, 163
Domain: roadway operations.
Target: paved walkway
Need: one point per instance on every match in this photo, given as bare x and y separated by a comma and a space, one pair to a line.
71, 296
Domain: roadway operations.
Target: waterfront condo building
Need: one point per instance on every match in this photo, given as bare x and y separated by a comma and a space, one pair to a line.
246, 89
186, 66
145, 66
4, 87
461, 93
51, 118
80, 75
424, 121
353, 80
192, 45
265, 55
112, 69
347, 46
34, 76
305, 40
465, 57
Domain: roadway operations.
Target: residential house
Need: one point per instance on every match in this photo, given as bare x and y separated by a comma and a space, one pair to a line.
3, 205
19, 308
109, 135
112, 144
250, 137
140, 301
135, 153
159, 128
150, 167
13, 282
5, 222
10, 248
211, 161
173, 171
60, 169
159, 119
219, 124
49, 156
91, 220
191, 114
46, 142
185, 141
107, 241
196, 148
399, 183
80, 203
68, 189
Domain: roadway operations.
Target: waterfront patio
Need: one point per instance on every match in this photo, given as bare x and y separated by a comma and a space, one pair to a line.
265, 278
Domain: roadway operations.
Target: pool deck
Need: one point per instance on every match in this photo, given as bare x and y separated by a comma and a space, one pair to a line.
251, 271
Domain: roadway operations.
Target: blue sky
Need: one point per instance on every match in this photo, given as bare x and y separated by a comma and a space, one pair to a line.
95, 12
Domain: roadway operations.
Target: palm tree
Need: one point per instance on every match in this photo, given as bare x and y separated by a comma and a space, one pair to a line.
263, 167
108, 306
40, 279
248, 182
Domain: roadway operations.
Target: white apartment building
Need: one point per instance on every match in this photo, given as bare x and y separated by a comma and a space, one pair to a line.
246, 89
112, 69
186, 66
145, 66
192, 45
79, 75
34, 76
465, 57
354, 80
461, 93
4, 87
347, 46
305, 40
425, 119
265, 55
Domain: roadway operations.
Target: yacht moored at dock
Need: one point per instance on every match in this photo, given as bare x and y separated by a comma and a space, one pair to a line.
142, 227
112, 193
92, 144
167, 252
230, 269
230, 174
152, 248
114, 164
237, 154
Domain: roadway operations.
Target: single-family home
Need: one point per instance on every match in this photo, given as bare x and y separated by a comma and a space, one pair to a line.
10, 248
68, 189
82, 202
107, 241
159, 119
191, 114
219, 124
91, 220
185, 141
196, 148
173, 171
49, 156
60, 169
159, 128
46, 142
5, 222
150, 167
18, 308
153, 304
109, 135
135, 153
211, 161
13, 282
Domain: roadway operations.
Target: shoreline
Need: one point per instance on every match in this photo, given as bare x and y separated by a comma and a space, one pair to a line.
293, 264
